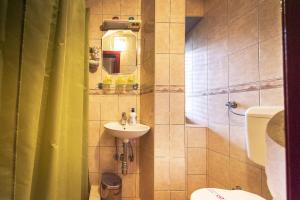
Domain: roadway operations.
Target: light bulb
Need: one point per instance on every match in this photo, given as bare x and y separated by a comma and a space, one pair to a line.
120, 43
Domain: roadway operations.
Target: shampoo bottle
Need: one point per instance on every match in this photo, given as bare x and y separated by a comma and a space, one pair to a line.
132, 117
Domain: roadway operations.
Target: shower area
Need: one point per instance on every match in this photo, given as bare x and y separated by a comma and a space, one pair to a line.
233, 53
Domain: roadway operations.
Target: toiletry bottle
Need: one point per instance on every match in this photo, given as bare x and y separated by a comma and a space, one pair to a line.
132, 117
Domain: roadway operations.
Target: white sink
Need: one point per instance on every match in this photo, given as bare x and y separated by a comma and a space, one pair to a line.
126, 132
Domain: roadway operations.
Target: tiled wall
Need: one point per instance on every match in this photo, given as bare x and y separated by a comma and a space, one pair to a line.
104, 108
234, 53
194, 8
147, 100
169, 129
196, 158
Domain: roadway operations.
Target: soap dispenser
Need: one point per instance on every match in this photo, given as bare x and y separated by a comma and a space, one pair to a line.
132, 117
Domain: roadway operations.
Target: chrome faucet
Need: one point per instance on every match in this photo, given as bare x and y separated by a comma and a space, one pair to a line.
124, 118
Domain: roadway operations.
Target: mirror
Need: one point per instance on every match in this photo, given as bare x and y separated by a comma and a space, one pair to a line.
119, 52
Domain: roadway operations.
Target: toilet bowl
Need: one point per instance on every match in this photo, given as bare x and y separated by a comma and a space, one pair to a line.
220, 194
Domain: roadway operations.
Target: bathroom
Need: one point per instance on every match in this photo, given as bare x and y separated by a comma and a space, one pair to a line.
175, 122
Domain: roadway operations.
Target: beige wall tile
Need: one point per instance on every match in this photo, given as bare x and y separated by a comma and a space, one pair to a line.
196, 161
243, 66
162, 108
107, 162
272, 97
106, 139
162, 10
147, 108
94, 24
137, 185
210, 4
162, 195
178, 195
94, 107
176, 69
218, 138
217, 44
177, 108
196, 137
215, 184
216, 105
178, 11
269, 19
217, 16
199, 76
129, 7
95, 6
194, 8
177, 174
195, 182
126, 102
162, 140
244, 100
177, 140
200, 34
93, 158
161, 174
139, 7
218, 73
243, 32
111, 7
271, 59
95, 77
109, 107
162, 69
238, 148
218, 168
177, 38
246, 176
128, 186
162, 37
238, 8
94, 132
196, 110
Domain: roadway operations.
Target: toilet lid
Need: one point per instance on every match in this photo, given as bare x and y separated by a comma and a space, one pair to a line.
219, 194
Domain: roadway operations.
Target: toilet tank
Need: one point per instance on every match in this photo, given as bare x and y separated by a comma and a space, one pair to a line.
257, 119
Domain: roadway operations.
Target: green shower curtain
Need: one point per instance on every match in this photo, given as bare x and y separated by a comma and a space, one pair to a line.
43, 100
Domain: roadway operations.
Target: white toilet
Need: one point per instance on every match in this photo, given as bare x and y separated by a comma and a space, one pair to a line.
258, 148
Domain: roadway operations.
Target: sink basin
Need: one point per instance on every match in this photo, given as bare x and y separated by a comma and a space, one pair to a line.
126, 132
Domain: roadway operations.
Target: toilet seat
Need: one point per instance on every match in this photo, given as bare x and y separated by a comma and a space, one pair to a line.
219, 194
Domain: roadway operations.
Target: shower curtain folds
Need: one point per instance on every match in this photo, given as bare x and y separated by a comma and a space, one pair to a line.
43, 100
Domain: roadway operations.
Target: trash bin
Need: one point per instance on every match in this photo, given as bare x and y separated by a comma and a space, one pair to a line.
111, 187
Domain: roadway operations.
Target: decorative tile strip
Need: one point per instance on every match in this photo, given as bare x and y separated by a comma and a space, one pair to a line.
162, 88
254, 86
270, 84
216, 91
197, 94
146, 89
177, 88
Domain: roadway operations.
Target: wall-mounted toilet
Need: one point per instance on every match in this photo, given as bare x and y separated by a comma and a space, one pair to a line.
259, 146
